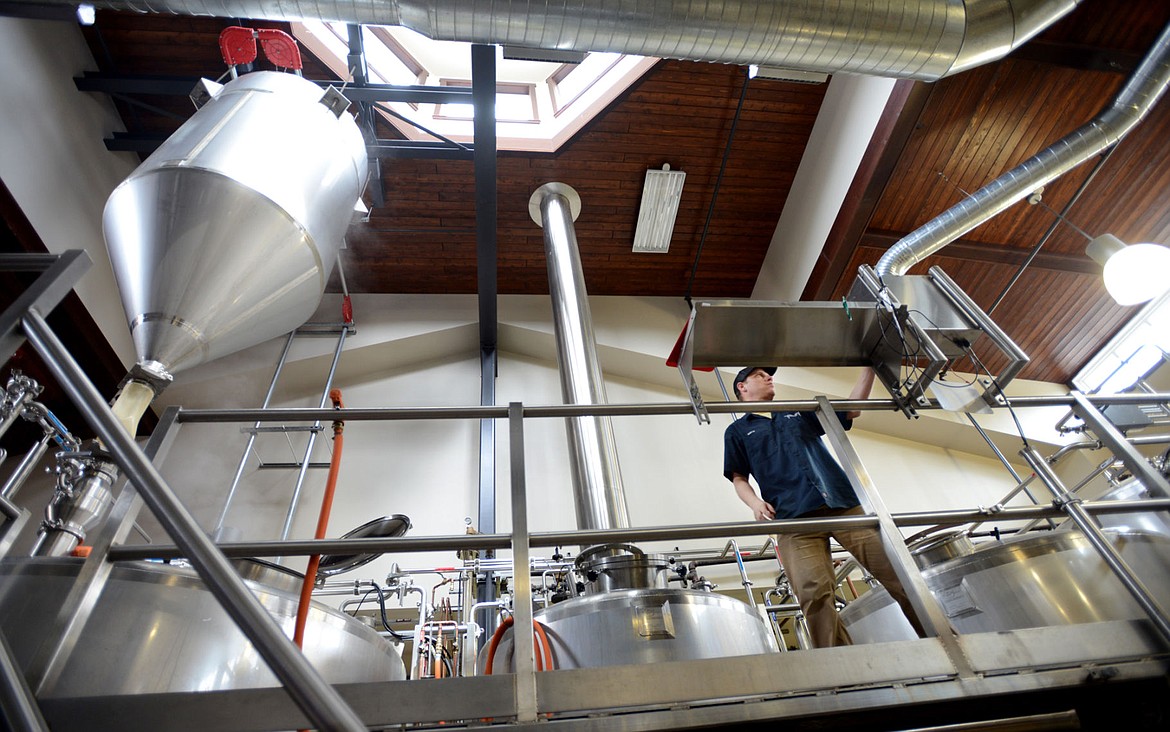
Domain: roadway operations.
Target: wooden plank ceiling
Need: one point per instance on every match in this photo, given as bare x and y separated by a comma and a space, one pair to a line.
937, 141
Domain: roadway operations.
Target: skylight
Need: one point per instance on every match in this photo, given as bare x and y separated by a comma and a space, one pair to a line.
1140, 347
539, 104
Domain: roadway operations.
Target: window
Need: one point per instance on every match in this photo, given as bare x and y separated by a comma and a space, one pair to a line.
514, 103
539, 104
1140, 347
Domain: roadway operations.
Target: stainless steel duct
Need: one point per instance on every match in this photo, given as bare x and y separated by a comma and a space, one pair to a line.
1129, 107
599, 497
914, 39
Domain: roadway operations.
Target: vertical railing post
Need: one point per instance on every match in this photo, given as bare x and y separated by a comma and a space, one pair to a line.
522, 629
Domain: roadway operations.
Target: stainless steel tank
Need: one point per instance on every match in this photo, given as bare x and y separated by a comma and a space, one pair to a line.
1025, 582
630, 616
226, 235
156, 628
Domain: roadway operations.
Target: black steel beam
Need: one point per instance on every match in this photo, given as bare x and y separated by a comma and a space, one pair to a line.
419, 149
483, 92
97, 81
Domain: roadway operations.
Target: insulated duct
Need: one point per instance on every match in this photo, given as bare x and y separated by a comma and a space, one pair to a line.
1129, 107
598, 494
914, 39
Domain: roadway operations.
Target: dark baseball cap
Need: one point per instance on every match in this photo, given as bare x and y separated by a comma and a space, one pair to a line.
743, 374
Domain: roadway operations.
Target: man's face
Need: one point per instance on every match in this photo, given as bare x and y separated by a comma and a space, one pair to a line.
757, 387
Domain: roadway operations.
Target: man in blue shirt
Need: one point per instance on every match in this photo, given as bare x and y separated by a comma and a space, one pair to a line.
799, 479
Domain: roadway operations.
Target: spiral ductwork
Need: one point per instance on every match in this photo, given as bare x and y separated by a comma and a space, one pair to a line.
1128, 108
916, 39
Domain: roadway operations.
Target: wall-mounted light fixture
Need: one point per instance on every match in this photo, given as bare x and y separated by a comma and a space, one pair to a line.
660, 196
1133, 274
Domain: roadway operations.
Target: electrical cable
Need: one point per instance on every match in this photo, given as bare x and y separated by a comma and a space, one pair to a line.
715, 189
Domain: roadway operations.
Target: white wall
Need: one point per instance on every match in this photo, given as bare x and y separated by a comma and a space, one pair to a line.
52, 158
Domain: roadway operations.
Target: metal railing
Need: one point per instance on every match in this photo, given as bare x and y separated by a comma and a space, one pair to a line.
317, 699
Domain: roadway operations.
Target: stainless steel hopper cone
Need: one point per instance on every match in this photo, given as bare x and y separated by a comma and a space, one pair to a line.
226, 235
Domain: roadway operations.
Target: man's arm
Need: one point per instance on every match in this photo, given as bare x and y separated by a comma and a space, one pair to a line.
861, 390
761, 509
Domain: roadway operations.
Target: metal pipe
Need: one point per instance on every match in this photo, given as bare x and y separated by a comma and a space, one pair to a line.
317, 699
614, 410
26, 466
1021, 484
743, 575
920, 39
296, 495
18, 706
598, 494
1092, 532
1154, 482
1143, 89
227, 503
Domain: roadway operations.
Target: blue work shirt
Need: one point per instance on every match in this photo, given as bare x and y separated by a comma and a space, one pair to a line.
785, 454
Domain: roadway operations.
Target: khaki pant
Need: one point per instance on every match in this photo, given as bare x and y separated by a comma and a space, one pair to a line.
809, 566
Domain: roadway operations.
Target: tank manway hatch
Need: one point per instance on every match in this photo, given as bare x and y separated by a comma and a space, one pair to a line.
924, 319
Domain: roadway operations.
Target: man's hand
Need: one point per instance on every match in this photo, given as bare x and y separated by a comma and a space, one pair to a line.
763, 510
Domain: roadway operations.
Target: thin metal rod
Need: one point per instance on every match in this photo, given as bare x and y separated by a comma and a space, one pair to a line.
1137, 464
611, 410
26, 466
612, 536
252, 436
1021, 484
319, 701
1052, 226
1092, 532
17, 703
296, 494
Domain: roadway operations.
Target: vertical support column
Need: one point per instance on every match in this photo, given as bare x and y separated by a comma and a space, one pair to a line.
929, 612
1088, 526
483, 99
317, 699
522, 583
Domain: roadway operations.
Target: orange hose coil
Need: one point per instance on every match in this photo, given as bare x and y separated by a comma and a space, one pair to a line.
540, 638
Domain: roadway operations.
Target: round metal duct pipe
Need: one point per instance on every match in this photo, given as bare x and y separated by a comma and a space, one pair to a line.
599, 496
226, 235
914, 39
1143, 89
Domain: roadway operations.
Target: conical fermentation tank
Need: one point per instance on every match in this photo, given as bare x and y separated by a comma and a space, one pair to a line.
156, 628
1056, 578
226, 235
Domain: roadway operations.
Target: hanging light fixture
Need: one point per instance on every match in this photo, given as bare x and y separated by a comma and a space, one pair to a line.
1133, 274
660, 196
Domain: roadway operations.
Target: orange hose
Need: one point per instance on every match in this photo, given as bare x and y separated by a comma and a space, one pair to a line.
548, 661
543, 659
322, 523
